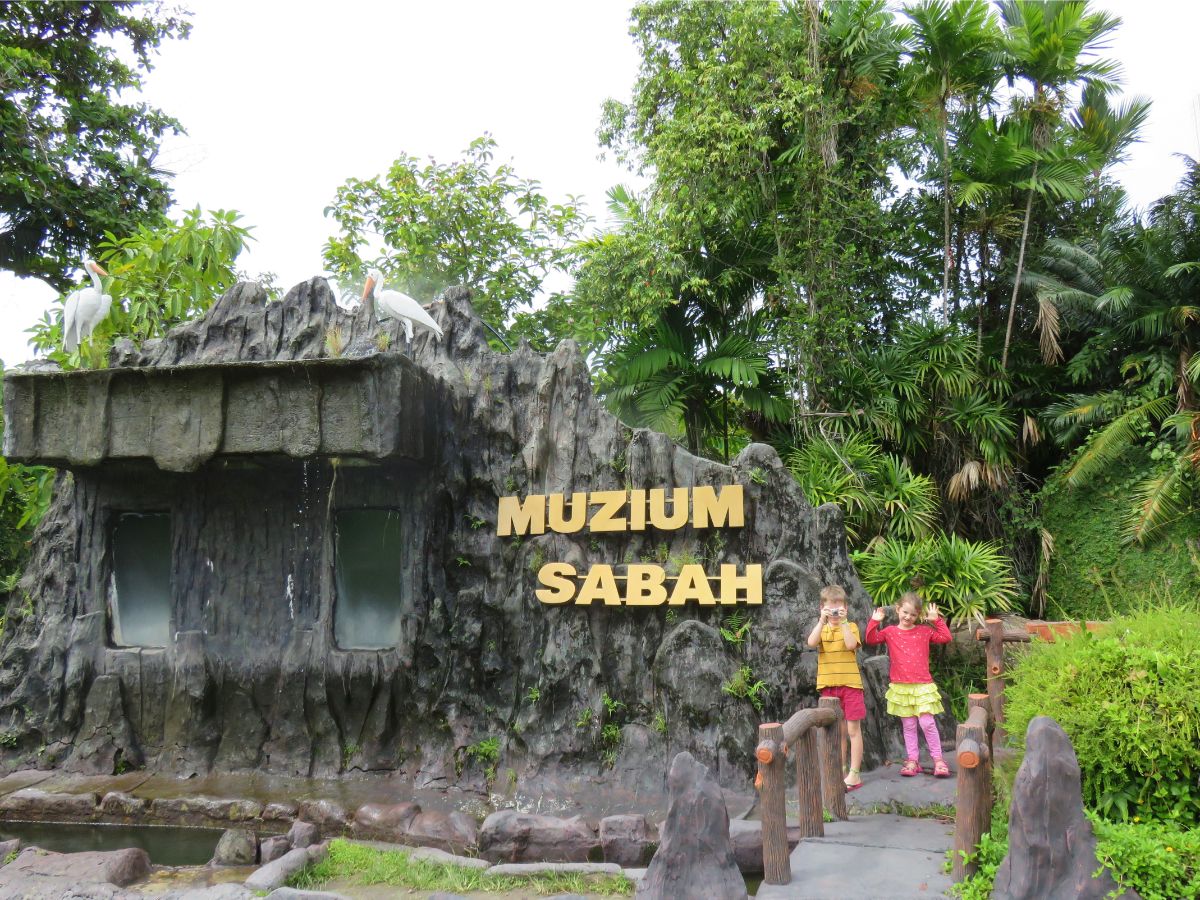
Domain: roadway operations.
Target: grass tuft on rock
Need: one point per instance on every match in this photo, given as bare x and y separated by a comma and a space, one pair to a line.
356, 864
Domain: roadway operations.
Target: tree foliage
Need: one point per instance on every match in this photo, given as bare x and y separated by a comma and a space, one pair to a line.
469, 222
79, 161
158, 277
1135, 297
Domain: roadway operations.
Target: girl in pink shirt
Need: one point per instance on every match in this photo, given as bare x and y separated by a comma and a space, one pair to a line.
912, 694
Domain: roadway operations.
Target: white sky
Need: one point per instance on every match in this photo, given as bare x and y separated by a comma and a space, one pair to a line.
285, 101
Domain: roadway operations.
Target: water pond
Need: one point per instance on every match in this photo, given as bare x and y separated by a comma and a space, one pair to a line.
167, 845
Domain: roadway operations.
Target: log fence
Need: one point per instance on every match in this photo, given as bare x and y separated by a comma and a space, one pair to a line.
813, 736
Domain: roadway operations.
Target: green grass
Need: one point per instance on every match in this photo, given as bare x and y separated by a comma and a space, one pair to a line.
359, 865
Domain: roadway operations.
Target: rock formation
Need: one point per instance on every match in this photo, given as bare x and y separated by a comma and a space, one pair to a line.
1051, 847
250, 429
695, 857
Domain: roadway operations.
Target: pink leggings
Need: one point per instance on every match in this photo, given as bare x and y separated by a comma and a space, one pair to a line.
932, 739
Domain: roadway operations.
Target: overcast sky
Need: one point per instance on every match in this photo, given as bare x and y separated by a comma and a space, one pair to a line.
283, 105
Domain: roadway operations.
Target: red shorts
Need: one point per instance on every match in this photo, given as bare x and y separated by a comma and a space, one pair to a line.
853, 707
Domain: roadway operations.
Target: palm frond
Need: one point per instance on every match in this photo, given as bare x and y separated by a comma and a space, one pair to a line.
1108, 444
1157, 501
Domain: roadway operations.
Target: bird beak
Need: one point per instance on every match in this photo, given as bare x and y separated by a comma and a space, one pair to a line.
368, 287
98, 270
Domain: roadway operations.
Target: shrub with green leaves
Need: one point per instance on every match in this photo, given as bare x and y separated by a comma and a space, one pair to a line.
878, 492
1160, 862
966, 579
1127, 698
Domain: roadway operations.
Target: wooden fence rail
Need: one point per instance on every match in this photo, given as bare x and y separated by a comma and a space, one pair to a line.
814, 737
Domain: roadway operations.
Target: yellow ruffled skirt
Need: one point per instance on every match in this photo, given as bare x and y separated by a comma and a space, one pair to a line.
906, 700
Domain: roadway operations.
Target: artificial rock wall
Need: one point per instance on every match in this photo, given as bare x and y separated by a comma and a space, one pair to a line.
253, 426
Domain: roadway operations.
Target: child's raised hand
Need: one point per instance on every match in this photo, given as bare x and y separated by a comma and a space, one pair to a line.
877, 615
931, 612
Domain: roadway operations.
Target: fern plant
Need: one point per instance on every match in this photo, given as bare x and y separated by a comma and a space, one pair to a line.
968, 580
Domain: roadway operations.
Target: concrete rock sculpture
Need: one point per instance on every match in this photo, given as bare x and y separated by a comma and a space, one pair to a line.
695, 858
250, 431
1051, 847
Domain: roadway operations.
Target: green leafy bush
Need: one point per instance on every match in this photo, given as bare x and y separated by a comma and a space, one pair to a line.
966, 579
879, 492
1127, 698
1159, 861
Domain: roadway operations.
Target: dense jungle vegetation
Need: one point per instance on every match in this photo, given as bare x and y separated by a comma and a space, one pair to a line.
888, 244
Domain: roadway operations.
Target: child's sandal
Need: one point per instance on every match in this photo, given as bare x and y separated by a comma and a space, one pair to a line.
940, 769
911, 768
852, 786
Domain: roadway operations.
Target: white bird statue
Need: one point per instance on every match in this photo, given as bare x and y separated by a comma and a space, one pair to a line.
395, 305
85, 309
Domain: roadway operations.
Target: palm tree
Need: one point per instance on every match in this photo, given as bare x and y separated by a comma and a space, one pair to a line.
1047, 42
695, 369
992, 156
926, 396
954, 58
1137, 297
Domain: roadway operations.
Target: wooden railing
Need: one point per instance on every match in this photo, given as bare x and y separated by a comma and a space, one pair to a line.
973, 792
814, 737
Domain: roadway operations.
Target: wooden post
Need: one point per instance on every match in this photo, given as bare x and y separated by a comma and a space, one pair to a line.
973, 792
833, 787
994, 634
799, 735
777, 866
995, 672
808, 784
984, 702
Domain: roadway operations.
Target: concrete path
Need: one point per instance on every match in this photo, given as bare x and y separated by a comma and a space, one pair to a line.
881, 857
883, 852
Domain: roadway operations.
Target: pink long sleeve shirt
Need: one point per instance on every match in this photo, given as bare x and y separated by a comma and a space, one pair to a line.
908, 650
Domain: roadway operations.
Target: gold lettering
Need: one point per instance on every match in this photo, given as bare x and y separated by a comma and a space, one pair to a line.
658, 508
599, 585
637, 509
515, 516
713, 510
692, 585
732, 583
610, 504
558, 578
644, 585
578, 513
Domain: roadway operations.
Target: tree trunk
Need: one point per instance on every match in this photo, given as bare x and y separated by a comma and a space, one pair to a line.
983, 272
1012, 303
945, 218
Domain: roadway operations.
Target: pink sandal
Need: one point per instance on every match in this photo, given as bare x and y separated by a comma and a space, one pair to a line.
940, 769
911, 768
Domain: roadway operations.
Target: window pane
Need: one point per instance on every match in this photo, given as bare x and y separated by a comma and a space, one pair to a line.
140, 592
368, 570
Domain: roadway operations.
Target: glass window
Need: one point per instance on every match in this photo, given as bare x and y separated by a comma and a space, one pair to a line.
140, 588
368, 572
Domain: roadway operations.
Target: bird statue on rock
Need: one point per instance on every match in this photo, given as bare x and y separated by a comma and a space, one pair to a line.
85, 308
395, 305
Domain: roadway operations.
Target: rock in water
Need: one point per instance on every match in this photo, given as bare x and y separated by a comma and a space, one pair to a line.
237, 847
695, 857
1051, 847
